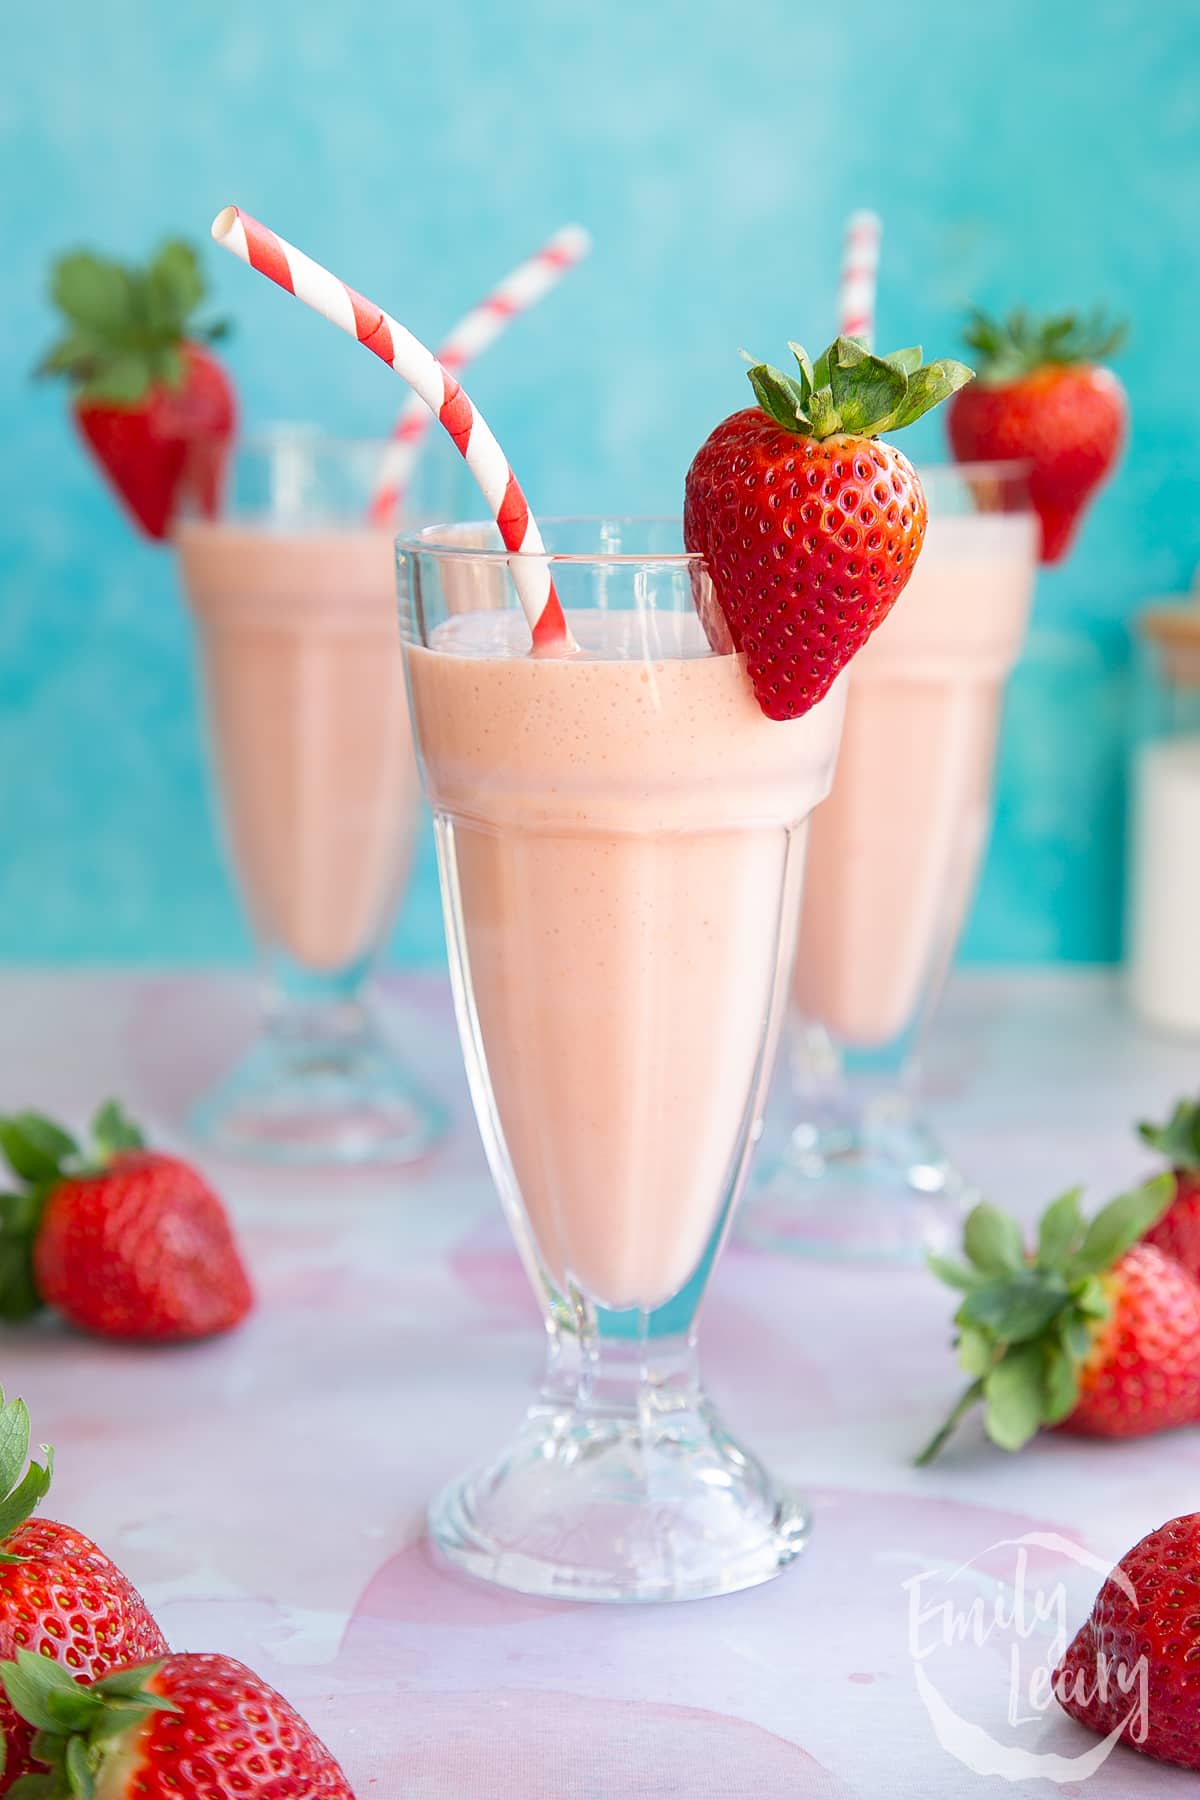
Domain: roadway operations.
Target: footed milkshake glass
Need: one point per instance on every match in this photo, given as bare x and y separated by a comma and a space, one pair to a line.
893, 858
293, 598
621, 836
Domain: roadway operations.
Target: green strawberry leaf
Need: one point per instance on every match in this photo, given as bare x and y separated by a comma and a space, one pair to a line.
865, 388
805, 365
848, 389
954, 1274
77, 1765
1009, 348
174, 286
1179, 1139
14, 1442
122, 380
34, 1147
1120, 1225
93, 292
1015, 1397
29, 1682
976, 1351
781, 398
927, 388
907, 361
1061, 1230
1061, 1384
1013, 1309
992, 1240
113, 1130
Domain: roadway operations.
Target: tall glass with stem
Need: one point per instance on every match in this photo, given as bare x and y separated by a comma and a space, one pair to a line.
621, 836
893, 859
293, 597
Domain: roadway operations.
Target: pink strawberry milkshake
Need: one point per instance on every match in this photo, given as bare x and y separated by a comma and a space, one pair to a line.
894, 852
309, 726
622, 841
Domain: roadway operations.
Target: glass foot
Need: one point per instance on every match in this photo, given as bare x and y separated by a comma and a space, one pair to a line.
311, 1093
882, 1193
597, 1504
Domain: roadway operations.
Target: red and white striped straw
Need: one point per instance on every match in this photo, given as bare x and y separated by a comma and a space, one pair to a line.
473, 334
291, 270
860, 268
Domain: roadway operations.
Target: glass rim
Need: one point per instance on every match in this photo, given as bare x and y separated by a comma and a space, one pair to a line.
423, 542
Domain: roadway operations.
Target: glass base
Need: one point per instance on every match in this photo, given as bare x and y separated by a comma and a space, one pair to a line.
602, 1500
320, 1088
877, 1192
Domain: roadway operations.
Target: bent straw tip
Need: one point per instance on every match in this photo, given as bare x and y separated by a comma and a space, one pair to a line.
224, 222
575, 239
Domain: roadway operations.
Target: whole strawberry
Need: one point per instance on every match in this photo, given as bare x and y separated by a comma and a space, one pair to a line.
124, 1241
186, 1728
151, 402
1093, 1331
1177, 1233
1042, 398
809, 526
60, 1597
1132, 1666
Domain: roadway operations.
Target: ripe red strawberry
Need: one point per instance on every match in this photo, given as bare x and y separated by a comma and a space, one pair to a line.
60, 1597
186, 1728
155, 408
808, 525
1094, 1331
124, 1241
1041, 398
1134, 1661
1177, 1233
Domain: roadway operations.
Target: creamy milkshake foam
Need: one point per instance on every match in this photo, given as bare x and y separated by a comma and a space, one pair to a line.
894, 852
309, 727
623, 841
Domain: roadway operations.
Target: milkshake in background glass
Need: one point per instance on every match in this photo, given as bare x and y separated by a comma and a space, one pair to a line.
293, 598
1163, 946
893, 859
621, 837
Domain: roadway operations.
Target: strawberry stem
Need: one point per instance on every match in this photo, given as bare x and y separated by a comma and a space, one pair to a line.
969, 1397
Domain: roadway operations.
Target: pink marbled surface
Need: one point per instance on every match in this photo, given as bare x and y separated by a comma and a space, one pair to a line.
267, 1491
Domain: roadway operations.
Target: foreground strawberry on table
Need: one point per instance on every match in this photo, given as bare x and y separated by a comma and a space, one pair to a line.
808, 523
124, 1241
185, 1728
1042, 397
1093, 1331
1178, 1231
151, 402
60, 1597
1132, 1666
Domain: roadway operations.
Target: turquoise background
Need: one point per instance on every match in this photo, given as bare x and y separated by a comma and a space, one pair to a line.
1019, 151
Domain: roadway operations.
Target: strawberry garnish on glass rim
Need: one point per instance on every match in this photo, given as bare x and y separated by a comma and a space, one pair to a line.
154, 407
1092, 1331
1043, 398
808, 523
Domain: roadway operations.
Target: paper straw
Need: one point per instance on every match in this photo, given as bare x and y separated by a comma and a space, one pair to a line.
860, 267
344, 307
476, 332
